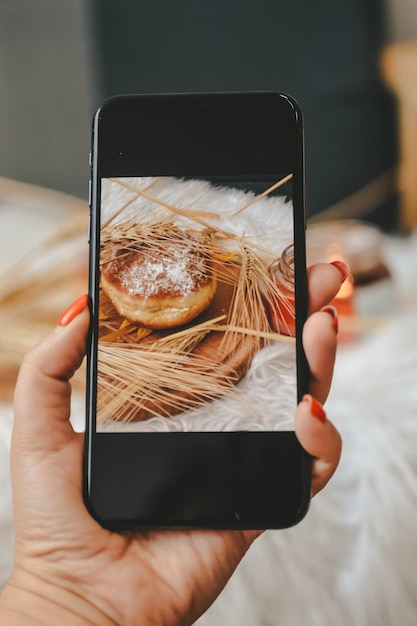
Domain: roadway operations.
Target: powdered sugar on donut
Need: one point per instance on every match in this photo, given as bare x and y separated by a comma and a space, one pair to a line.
179, 271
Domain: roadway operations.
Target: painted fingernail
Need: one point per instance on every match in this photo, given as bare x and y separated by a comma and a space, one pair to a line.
343, 268
75, 309
333, 312
316, 408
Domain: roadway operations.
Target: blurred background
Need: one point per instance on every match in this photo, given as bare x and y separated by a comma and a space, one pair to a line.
59, 59
352, 65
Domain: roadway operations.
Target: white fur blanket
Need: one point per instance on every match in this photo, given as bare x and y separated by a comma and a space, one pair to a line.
352, 561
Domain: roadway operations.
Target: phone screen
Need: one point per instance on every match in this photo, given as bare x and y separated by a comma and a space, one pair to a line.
196, 313
196, 326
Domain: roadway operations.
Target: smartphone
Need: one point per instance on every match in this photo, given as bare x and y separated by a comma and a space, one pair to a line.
198, 297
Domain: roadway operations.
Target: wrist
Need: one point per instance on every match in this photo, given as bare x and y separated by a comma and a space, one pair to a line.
27, 600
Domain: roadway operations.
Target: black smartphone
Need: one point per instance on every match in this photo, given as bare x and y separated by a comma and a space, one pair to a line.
198, 297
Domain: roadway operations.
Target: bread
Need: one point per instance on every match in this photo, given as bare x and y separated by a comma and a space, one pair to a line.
159, 284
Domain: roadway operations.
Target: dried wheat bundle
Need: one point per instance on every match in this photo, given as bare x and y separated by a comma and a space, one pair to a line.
145, 373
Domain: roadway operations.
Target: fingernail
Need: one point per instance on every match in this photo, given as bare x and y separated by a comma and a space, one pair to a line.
333, 312
75, 309
343, 268
315, 407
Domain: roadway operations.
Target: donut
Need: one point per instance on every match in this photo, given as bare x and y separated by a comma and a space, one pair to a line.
159, 284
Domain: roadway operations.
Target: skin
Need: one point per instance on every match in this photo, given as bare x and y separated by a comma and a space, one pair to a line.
67, 569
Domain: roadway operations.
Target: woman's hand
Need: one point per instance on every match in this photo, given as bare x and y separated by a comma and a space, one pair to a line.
67, 568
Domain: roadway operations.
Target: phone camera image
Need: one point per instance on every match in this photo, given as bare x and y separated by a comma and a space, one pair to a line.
196, 305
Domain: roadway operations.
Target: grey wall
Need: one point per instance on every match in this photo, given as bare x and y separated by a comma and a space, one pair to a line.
47, 90
45, 93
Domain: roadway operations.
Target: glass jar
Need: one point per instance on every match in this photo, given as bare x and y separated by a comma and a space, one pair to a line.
282, 298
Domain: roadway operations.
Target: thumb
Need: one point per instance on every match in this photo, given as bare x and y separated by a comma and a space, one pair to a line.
42, 400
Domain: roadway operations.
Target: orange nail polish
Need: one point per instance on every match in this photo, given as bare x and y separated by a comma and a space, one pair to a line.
343, 268
75, 309
333, 312
316, 408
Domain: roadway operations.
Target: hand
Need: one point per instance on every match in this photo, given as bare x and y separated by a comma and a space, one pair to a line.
69, 570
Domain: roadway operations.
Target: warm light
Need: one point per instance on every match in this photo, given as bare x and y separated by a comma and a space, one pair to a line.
346, 290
